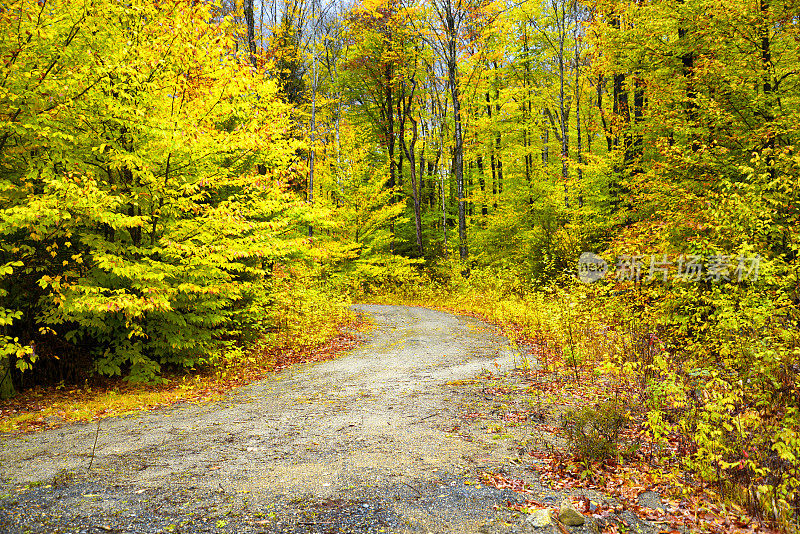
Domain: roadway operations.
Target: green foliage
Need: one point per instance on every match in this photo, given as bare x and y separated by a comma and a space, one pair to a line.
302, 309
132, 216
287, 64
11, 350
715, 365
717, 174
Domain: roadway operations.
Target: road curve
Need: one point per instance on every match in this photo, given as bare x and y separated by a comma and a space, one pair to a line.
357, 444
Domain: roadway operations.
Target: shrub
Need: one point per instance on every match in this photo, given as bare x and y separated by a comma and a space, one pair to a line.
593, 433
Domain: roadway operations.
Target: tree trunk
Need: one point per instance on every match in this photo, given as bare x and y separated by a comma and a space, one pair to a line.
527, 120
433, 180
493, 161
621, 110
312, 156
421, 173
563, 119
637, 150
399, 176
389, 116
578, 112
444, 214
250, 22
601, 82
545, 140
768, 86
470, 189
498, 141
482, 185
410, 154
6, 385
458, 149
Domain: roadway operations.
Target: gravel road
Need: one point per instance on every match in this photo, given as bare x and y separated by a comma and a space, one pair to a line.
361, 443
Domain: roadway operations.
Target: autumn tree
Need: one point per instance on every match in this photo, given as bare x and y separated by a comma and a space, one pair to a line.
450, 23
133, 227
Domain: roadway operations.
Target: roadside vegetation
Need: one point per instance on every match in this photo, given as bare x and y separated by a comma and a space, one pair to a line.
720, 431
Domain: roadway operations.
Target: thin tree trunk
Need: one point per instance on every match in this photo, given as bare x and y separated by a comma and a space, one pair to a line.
545, 140
421, 173
313, 150
6, 385
250, 22
578, 112
498, 141
638, 115
458, 149
600, 85
492, 160
561, 103
470, 189
409, 152
499, 168
339, 193
482, 185
768, 86
687, 63
444, 213
621, 109
389, 117
312, 158
433, 180
527, 119
400, 134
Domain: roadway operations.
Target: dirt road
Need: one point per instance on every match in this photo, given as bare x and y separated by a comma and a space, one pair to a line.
362, 443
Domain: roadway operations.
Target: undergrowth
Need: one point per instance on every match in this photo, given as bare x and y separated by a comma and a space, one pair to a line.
710, 372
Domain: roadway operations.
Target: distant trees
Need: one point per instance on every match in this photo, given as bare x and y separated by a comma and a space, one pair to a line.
583, 82
708, 108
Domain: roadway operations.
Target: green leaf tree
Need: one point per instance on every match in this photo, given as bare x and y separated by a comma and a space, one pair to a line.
128, 142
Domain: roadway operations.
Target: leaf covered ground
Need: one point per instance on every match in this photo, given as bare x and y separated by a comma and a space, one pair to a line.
532, 406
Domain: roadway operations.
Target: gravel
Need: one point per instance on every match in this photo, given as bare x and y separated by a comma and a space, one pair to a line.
385, 438
355, 444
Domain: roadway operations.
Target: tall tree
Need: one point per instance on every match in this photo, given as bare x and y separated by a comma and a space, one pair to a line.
250, 22
555, 30
451, 21
452, 18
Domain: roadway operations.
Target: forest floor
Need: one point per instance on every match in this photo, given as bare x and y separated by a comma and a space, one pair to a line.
421, 428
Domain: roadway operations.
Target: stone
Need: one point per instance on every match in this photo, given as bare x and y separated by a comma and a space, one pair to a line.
635, 525
570, 516
538, 518
652, 500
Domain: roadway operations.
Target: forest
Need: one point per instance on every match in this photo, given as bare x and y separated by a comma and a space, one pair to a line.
618, 181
